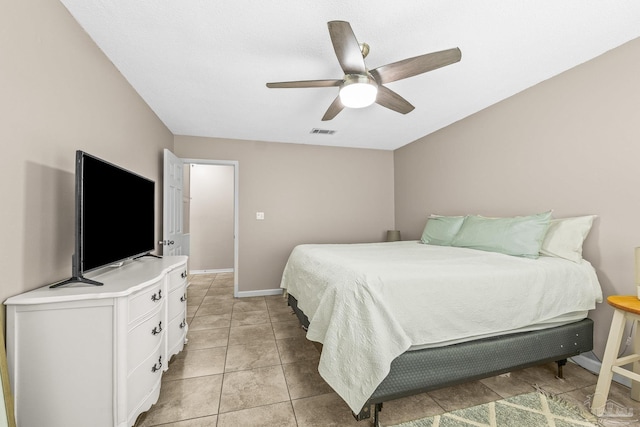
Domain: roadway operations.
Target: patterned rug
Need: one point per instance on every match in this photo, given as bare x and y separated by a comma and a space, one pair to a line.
527, 410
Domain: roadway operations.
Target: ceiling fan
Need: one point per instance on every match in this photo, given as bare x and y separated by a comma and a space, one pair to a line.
361, 87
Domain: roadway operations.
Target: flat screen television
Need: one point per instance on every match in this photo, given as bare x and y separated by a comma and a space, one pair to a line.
114, 216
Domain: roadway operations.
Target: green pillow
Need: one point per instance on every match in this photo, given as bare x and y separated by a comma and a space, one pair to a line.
440, 230
519, 236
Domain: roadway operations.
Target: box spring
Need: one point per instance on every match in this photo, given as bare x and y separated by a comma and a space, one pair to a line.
428, 369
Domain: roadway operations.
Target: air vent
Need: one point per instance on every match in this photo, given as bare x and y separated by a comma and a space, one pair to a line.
323, 131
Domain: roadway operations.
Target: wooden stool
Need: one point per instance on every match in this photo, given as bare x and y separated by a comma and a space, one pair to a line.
626, 308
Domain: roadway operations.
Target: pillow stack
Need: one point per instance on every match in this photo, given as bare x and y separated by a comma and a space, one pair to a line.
524, 236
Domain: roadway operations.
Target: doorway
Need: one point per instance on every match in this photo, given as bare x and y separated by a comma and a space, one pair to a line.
208, 213
210, 216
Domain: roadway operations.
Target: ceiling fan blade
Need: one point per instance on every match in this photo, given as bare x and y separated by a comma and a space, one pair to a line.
417, 65
305, 83
346, 47
391, 100
333, 110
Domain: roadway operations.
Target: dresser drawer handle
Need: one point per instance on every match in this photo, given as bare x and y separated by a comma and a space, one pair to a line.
183, 298
183, 275
156, 330
183, 324
157, 366
157, 297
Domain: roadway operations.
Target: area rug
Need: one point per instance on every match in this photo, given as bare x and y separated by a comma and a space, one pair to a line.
527, 410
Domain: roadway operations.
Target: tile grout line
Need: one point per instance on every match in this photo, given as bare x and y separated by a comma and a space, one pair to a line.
281, 363
226, 352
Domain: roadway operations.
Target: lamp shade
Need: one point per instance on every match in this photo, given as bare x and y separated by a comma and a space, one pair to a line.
637, 266
637, 270
358, 91
393, 235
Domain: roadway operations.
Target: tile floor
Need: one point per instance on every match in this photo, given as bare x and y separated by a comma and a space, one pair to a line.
248, 363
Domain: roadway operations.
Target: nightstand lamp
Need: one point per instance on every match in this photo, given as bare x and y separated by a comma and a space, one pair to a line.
393, 235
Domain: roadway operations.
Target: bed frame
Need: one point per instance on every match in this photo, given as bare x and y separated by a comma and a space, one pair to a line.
429, 369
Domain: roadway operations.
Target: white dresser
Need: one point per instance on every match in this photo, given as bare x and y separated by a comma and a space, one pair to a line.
84, 355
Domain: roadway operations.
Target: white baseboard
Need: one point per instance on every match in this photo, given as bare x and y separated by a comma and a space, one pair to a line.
219, 270
589, 362
241, 294
261, 293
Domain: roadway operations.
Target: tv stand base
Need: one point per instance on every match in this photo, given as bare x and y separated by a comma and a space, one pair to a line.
76, 279
151, 255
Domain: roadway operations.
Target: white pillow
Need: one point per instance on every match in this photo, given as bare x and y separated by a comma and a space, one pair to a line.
565, 237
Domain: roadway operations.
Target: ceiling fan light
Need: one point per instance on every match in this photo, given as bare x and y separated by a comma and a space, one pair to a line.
358, 92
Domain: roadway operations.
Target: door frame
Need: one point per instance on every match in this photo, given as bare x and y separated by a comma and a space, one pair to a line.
236, 174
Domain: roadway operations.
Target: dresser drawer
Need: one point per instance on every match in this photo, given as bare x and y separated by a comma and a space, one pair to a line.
143, 339
144, 301
176, 334
177, 302
177, 277
145, 379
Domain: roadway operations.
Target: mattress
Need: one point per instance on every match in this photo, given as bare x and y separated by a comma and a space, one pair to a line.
369, 303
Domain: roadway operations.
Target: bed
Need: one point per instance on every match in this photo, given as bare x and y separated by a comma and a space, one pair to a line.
400, 318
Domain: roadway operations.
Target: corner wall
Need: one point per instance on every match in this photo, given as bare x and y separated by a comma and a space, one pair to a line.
308, 193
59, 94
570, 144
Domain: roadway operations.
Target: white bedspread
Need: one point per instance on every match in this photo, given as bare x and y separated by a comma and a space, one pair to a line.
369, 303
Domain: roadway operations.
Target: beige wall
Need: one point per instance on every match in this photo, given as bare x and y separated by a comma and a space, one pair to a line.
59, 93
309, 194
570, 144
211, 217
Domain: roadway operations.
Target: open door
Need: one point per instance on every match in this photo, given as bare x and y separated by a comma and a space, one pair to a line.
173, 242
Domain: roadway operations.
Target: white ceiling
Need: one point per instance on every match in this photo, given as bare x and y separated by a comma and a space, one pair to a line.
202, 65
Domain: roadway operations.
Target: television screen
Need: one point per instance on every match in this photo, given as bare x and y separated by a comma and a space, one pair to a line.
116, 213
115, 217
